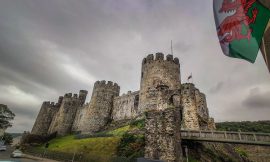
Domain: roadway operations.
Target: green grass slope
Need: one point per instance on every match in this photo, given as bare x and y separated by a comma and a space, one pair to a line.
102, 145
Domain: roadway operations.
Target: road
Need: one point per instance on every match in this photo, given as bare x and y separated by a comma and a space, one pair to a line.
5, 156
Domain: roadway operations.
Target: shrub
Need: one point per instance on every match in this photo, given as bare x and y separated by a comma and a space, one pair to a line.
131, 146
241, 152
8, 138
138, 123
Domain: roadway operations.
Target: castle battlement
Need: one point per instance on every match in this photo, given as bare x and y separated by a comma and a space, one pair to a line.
70, 97
107, 85
160, 57
49, 104
129, 93
187, 86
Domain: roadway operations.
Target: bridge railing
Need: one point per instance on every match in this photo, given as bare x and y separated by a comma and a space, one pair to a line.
225, 135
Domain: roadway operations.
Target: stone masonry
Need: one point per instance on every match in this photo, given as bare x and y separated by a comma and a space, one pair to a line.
162, 135
160, 89
157, 71
98, 113
63, 120
163, 125
45, 116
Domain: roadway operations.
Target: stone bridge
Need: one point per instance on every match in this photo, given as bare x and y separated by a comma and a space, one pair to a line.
251, 138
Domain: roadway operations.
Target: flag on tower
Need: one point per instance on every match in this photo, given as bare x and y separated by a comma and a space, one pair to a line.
189, 77
240, 27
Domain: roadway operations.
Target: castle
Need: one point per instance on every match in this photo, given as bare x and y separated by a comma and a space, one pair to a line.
160, 86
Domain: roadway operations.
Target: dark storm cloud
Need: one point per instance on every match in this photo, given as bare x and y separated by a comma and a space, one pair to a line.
51, 47
257, 99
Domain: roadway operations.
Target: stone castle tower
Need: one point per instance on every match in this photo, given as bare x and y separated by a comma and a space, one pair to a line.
157, 71
160, 88
98, 112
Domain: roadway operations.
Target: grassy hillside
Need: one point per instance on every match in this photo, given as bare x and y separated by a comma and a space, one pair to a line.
245, 126
103, 145
97, 146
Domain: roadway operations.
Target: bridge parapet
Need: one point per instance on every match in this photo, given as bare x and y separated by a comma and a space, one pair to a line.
227, 137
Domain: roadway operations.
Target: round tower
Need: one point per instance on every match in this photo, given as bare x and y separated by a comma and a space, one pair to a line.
44, 118
157, 71
99, 111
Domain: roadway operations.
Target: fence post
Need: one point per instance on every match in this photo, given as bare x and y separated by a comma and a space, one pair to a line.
225, 134
73, 156
239, 134
255, 138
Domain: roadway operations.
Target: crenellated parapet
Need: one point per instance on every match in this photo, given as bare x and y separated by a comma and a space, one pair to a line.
109, 86
160, 57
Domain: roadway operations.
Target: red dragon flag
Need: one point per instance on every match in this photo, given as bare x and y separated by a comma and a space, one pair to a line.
240, 27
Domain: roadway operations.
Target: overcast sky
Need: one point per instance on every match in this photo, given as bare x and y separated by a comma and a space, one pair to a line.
48, 48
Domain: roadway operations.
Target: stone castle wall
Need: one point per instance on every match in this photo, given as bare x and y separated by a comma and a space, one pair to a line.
80, 115
157, 71
162, 135
63, 121
211, 124
126, 106
190, 115
45, 116
202, 109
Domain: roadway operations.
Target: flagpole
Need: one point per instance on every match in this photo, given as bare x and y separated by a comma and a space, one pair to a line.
171, 48
192, 78
264, 53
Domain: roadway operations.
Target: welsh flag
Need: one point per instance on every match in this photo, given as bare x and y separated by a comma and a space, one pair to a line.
240, 27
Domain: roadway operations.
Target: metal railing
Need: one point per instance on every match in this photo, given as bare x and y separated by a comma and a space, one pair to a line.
227, 137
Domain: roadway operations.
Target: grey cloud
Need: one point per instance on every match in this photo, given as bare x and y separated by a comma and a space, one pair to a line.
107, 39
257, 99
216, 88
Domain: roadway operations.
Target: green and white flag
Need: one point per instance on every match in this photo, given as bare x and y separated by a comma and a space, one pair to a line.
240, 27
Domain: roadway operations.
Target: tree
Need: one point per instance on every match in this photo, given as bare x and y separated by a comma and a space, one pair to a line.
6, 116
8, 138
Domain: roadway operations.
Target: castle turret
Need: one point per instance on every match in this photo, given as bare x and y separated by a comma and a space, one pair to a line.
83, 95
157, 71
99, 111
45, 117
63, 121
189, 112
